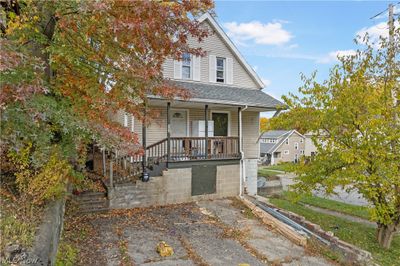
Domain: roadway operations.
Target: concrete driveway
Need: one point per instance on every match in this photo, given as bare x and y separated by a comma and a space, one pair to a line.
219, 232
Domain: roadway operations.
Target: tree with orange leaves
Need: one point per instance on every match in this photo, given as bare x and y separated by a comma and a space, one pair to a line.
66, 65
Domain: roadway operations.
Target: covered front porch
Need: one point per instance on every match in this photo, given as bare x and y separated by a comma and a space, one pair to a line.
217, 124
183, 132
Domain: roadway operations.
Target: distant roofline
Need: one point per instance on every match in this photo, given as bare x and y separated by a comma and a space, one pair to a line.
286, 131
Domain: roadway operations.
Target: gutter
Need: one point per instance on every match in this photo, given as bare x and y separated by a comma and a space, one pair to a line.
242, 165
297, 227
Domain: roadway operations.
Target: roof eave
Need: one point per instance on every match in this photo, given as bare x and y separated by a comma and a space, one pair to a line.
202, 100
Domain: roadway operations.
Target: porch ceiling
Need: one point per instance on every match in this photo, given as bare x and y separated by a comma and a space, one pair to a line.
192, 105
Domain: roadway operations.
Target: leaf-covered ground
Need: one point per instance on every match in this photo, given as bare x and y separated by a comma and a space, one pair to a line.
220, 232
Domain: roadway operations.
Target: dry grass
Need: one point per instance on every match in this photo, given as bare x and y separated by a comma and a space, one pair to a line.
196, 258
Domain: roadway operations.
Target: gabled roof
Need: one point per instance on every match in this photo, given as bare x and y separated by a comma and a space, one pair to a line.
206, 92
274, 133
232, 47
283, 137
271, 147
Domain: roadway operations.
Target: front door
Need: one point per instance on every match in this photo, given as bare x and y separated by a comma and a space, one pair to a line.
221, 123
178, 129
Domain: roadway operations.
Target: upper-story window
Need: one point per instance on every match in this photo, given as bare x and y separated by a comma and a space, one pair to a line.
287, 141
296, 145
221, 69
186, 66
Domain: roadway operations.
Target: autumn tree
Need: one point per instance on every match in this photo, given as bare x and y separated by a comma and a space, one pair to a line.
264, 124
355, 119
292, 119
67, 65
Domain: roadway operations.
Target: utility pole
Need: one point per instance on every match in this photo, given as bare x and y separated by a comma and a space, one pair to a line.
392, 59
391, 33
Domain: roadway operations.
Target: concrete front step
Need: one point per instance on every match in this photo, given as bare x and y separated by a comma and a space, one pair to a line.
91, 210
91, 194
92, 202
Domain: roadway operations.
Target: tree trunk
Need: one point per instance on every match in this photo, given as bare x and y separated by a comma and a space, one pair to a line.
385, 235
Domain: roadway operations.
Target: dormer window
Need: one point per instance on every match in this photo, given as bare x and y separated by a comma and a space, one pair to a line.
186, 66
220, 69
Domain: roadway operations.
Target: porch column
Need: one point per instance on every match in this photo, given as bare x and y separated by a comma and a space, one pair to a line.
206, 129
144, 131
239, 135
168, 133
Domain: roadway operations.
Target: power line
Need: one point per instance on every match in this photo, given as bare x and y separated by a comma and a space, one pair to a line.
380, 13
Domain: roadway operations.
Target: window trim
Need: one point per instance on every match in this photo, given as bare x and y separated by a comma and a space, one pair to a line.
286, 152
126, 122
296, 145
190, 66
223, 70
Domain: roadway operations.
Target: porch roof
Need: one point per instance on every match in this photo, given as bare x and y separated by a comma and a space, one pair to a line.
223, 94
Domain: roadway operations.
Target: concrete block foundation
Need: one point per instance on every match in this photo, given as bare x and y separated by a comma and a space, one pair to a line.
174, 186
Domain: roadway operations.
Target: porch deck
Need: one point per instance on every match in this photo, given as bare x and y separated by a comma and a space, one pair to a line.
118, 168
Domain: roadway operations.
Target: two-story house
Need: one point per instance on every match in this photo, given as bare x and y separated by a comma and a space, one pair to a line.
202, 147
278, 146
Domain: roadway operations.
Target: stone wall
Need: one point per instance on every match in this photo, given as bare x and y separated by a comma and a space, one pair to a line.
174, 186
44, 250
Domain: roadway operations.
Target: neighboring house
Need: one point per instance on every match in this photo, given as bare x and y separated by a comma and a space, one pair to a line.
310, 149
204, 146
278, 146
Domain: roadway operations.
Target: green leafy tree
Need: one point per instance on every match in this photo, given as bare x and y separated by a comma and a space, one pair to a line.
354, 115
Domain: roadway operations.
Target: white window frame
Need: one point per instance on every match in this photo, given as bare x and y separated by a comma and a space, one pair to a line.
229, 119
223, 70
296, 145
286, 152
287, 141
125, 120
190, 66
132, 123
301, 140
302, 152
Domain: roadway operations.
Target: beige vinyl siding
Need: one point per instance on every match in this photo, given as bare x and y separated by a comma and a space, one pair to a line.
251, 129
214, 45
168, 68
290, 147
157, 130
309, 146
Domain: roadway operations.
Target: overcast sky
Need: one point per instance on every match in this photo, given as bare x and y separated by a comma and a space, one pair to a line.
281, 39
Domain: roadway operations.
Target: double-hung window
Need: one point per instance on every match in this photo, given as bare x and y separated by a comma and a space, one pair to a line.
221, 69
186, 66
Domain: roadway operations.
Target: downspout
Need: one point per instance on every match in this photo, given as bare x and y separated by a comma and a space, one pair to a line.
242, 165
